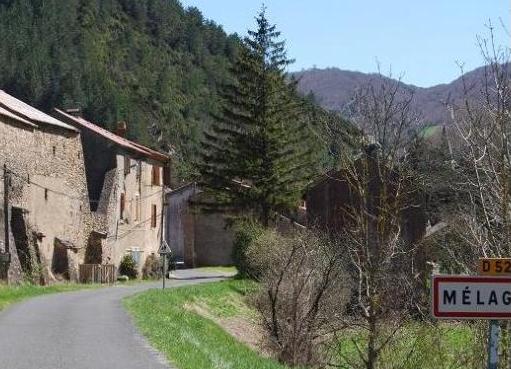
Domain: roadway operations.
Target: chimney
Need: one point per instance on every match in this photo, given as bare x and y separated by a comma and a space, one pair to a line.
75, 112
122, 128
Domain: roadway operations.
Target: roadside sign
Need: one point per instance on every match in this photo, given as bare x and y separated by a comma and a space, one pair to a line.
471, 297
495, 266
164, 248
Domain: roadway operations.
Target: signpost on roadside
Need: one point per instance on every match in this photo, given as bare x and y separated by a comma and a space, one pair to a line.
486, 296
495, 266
164, 251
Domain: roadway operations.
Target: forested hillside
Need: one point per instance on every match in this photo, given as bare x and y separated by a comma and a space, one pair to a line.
152, 63
149, 62
334, 89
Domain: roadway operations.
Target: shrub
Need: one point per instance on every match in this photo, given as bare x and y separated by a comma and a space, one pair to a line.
152, 267
128, 267
303, 293
245, 232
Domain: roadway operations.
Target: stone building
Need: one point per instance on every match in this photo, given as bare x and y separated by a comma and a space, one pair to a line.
196, 238
48, 213
125, 183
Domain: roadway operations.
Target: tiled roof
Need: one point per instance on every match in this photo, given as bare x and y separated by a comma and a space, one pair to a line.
81, 123
7, 113
27, 114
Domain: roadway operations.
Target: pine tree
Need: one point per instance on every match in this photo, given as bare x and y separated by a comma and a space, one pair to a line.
257, 157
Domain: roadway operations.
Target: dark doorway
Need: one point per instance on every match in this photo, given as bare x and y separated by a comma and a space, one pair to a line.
94, 251
60, 261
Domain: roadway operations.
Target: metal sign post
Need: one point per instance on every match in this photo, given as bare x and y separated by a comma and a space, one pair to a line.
493, 344
164, 251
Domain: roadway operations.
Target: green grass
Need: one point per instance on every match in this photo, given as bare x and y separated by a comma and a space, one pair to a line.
13, 294
191, 341
219, 269
431, 131
453, 346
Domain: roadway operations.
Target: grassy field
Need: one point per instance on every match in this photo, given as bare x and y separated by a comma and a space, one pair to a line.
442, 346
190, 340
12, 294
219, 269
175, 323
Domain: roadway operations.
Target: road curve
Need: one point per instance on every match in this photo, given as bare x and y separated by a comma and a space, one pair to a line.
80, 330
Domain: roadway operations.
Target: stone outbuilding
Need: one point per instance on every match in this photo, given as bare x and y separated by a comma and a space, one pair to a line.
196, 238
48, 219
125, 183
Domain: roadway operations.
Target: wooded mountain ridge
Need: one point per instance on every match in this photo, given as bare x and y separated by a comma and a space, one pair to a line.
333, 89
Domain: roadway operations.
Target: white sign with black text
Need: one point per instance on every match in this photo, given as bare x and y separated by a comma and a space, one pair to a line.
471, 297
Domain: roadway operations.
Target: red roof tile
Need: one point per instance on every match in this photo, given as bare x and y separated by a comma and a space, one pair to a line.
80, 123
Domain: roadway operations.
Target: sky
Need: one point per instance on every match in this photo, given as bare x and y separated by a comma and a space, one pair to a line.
420, 40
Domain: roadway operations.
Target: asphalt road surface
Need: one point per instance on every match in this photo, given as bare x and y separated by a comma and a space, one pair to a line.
81, 330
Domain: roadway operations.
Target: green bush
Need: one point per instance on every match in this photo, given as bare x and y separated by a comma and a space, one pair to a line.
128, 267
245, 233
152, 267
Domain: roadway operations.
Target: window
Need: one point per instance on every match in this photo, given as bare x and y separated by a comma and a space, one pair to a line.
153, 216
123, 205
156, 175
127, 165
136, 254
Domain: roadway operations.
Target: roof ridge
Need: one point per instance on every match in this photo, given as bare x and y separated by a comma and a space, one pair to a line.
119, 140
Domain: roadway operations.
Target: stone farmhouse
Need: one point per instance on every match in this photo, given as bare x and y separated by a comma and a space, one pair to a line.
72, 193
125, 183
48, 219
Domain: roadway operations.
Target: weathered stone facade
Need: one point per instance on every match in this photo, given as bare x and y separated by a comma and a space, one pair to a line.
49, 212
125, 185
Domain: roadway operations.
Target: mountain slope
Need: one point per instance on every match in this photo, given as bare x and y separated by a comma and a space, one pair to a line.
333, 89
151, 63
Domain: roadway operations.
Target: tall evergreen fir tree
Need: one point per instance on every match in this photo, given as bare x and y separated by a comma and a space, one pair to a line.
258, 155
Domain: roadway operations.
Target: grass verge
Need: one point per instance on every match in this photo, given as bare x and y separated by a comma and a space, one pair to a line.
219, 269
190, 340
12, 294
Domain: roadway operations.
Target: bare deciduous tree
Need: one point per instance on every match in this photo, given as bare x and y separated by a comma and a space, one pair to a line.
483, 123
304, 291
383, 186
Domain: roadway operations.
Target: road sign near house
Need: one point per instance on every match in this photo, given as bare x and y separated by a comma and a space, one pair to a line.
164, 248
471, 297
495, 266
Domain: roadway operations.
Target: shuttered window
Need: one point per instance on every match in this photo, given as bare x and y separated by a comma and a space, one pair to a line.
156, 175
153, 216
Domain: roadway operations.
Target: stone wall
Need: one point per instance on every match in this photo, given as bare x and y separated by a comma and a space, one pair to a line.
49, 186
195, 237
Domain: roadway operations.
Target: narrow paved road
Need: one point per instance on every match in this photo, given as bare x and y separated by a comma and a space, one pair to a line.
80, 330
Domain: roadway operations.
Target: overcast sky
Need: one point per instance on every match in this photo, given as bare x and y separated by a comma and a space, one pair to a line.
421, 39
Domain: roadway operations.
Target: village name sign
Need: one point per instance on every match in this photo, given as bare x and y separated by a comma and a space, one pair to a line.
485, 296
472, 297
